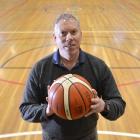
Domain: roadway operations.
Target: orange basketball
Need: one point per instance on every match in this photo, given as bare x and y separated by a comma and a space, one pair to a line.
70, 96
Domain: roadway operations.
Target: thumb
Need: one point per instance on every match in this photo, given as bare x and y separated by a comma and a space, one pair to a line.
48, 87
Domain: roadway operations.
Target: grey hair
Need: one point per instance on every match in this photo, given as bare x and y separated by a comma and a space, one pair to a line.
66, 16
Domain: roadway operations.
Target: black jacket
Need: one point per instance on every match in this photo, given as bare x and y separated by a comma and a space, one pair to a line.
44, 72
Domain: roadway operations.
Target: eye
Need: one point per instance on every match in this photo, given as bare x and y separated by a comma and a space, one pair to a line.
74, 32
63, 33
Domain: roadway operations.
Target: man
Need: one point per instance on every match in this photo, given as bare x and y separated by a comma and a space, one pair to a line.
69, 58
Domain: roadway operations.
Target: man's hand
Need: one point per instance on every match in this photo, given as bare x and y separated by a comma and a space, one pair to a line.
97, 105
49, 111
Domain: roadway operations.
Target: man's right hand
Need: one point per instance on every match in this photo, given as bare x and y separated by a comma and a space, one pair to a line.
49, 111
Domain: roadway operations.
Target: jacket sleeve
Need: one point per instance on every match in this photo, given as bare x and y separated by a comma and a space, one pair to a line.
111, 95
32, 108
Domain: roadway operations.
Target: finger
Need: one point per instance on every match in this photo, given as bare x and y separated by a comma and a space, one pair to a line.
93, 107
90, 112
49, 110
48, 87
94, 93
95, 100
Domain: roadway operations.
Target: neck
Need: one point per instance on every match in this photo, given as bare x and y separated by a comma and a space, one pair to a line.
69, 62
73, 56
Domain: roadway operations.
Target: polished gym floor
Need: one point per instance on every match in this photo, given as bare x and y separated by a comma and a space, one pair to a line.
111, 31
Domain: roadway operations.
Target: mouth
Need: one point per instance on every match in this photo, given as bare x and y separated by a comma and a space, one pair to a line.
69, 45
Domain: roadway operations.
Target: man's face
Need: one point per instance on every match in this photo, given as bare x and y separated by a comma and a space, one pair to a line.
68, 36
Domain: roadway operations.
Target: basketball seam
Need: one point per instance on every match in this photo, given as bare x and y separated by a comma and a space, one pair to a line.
69, 96
81, 95
54, 93
61, 84
69, 100
69, 78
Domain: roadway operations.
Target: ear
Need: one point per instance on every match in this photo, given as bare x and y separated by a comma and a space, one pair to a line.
54, 36
81, 34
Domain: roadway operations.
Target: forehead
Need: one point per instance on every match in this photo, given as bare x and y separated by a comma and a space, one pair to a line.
69, 24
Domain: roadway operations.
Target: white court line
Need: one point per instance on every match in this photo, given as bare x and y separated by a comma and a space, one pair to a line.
20, 134
84, 31
119, 134
99, 132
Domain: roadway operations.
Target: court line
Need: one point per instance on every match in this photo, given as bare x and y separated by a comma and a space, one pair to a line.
124, 134
129, 83
12, 82
22, 84
19, 134
84, 31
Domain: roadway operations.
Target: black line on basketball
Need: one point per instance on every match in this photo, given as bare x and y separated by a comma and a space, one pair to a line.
59, 84
69, 99
79, 93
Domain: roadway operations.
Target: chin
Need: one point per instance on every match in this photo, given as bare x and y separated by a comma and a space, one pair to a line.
73, 50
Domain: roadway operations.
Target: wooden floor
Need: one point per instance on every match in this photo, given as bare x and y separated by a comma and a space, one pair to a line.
111, 31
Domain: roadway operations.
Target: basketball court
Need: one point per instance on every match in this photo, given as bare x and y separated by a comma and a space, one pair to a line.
111, 31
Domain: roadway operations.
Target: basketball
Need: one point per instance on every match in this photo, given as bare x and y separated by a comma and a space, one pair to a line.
70, 96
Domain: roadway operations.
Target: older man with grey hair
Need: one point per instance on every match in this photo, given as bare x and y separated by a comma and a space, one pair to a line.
70, 58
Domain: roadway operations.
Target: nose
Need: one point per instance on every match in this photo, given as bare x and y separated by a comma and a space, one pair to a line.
69, 37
